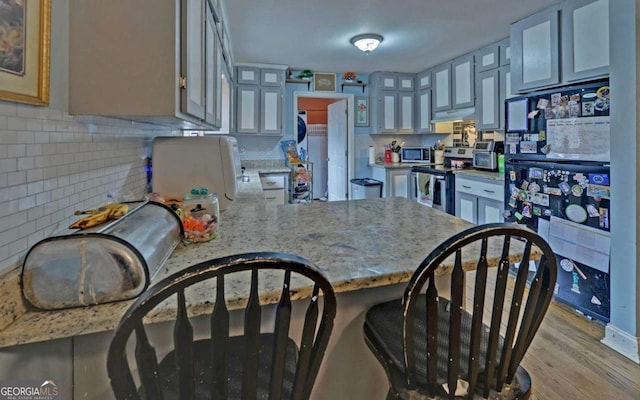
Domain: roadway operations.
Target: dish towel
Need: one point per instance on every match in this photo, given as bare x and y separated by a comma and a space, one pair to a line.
425, 188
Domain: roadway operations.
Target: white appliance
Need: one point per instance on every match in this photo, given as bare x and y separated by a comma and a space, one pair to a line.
184, 162
302, 130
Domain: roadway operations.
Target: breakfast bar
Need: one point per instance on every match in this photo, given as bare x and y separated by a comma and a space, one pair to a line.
367, 248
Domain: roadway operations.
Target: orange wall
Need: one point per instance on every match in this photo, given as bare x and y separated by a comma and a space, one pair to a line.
316, 108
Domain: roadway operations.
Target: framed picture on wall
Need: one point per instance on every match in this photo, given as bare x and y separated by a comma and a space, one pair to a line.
24, 54
362, 110
324, 82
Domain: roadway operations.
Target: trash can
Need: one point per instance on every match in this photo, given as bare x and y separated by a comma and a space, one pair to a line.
366, 188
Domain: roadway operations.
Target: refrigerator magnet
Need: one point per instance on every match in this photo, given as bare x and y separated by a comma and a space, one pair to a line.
512, 202
537, 211
576, 213
541, 198
564, 186
518, 216
536, 173
576, 190
513, 190
512, 175
598, 191
592, 210
587, 108
542, 104
599, 179
574, 110
522, 195
524, 185
552, 191
604, 218
526, 210
528, 147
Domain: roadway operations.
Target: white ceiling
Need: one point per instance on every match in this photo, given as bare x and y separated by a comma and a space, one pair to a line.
418, 34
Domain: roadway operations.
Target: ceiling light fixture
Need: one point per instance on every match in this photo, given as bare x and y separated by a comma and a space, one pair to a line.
367, 42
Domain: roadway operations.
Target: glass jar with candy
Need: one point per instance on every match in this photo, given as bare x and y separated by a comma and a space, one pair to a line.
201, 214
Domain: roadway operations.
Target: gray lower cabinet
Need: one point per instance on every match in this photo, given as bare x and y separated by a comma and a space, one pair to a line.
395, 181
274, 188
479, 200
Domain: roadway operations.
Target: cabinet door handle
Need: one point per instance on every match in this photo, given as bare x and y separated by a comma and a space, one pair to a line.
489, 191
466, 187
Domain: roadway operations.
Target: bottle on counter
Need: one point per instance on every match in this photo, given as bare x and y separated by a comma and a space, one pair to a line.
201, 215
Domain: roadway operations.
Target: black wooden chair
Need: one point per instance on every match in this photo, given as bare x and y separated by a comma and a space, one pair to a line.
253, 364
428, 343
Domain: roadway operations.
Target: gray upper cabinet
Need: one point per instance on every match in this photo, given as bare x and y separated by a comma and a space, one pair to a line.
585, 39
463, 82
271, 77
423, 111
259, 100
505, 52
423, 80
423, 102
247, 108
442, 87
454, 84
580, 28
247, 75
488, 115
392, 103
493, 85
170, 77
535, 44
488, 57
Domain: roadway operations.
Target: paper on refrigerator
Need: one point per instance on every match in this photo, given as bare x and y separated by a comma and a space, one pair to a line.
587, 245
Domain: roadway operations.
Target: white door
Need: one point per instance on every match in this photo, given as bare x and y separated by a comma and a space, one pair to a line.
337, 151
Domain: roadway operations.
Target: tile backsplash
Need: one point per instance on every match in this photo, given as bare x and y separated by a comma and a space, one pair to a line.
52, 164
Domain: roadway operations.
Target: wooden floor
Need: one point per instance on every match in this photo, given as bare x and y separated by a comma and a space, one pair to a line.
567, 361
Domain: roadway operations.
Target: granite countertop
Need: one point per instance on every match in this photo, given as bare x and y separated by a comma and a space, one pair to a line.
395, 165
356, 244
478, 173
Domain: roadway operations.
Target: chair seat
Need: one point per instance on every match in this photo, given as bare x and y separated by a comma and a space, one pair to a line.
383, 334
236, 350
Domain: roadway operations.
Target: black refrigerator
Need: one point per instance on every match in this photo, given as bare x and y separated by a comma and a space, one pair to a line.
557, 182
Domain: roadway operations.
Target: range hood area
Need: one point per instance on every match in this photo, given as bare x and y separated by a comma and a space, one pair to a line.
446, 122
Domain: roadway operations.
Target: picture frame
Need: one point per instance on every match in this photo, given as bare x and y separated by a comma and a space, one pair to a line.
361, 105
24, 75
324, 82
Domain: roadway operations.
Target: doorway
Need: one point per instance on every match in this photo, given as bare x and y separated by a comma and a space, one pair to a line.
337, 185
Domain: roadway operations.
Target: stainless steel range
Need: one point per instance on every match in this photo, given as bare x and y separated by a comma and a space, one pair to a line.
434, 185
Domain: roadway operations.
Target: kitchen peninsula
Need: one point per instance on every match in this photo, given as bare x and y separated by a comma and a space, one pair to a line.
367, 248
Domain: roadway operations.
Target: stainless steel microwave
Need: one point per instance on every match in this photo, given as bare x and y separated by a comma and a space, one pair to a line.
416, 154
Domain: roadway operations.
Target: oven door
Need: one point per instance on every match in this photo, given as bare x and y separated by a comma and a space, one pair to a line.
431, 190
